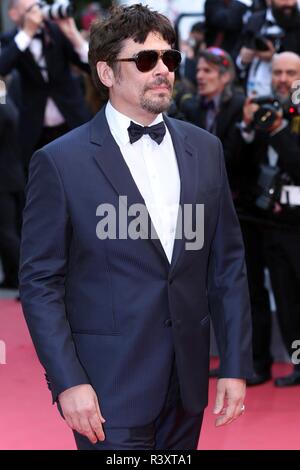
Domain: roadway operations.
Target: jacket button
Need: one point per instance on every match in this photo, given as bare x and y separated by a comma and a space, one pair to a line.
168, 322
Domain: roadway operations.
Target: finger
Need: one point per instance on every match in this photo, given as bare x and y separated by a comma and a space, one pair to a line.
96, 426
86, 430
241, 408
219, 401
234, 410
227, 417
238, 410
70, 422
102, 419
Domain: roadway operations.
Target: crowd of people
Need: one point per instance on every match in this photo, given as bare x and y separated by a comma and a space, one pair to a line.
236, 80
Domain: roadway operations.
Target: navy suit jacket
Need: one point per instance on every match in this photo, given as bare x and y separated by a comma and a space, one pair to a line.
113, 313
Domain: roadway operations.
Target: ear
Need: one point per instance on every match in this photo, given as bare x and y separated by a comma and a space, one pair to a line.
13, 14
105, 74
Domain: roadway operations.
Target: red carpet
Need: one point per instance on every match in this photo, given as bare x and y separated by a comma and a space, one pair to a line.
29, 421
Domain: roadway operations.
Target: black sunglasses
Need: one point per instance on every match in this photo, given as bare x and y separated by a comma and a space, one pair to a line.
147, 60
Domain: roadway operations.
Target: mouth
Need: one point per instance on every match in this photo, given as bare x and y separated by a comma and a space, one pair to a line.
283, 88
161, 88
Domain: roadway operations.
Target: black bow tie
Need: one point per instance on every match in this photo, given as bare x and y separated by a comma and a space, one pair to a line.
156, 132
39, 35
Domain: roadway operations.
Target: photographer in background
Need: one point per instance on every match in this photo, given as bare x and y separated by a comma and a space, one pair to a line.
42, 51
267, 32
269, 206
190, 49
217, 107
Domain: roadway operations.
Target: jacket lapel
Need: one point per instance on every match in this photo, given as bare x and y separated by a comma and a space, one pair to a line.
30, 63
188, 170
111, 162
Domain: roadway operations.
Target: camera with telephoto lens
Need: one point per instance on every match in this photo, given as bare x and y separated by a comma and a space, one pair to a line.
60, 9
259, 41
266, 114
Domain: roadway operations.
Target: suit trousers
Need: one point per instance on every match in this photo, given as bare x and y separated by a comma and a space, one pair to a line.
173, 429
10, 236
254, 237
283, 257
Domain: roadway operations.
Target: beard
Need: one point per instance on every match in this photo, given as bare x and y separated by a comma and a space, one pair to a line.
160, 103
284, 99
286, 17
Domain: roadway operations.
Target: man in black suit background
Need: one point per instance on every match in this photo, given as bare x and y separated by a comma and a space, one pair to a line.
12, 183
41, 51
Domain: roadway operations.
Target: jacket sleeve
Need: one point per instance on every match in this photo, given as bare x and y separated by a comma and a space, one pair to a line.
47, 232
287, 146
228, 289
72, 56
9, 56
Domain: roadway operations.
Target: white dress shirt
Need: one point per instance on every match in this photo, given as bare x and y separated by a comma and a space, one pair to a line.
53, 116
155, 172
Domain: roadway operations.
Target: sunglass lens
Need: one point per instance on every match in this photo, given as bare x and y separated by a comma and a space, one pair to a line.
172, 59
146, 60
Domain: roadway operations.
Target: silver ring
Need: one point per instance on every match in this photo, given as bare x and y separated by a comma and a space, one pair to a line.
242, 408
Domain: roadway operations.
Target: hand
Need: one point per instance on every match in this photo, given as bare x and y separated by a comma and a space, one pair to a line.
33, 20
249, 110
277, 123
247, 55
232, 391
266, 55
186, 49
81, 411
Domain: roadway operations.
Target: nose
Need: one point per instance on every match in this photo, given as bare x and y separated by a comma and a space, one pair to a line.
283, 78
199, 75
161, 68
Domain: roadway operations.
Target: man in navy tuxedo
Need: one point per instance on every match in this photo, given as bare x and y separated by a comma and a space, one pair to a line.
121, 319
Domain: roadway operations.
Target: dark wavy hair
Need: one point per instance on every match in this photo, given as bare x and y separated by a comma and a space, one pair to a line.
133, 22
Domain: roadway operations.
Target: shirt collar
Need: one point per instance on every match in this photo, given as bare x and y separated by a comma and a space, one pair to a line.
270, 16
119, 123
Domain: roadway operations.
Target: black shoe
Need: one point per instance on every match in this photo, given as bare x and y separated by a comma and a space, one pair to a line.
288, 381
259, 378
214, 372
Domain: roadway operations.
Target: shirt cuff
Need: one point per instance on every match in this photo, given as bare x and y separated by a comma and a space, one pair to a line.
240, 64
83, 52
22, 40
247, 134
